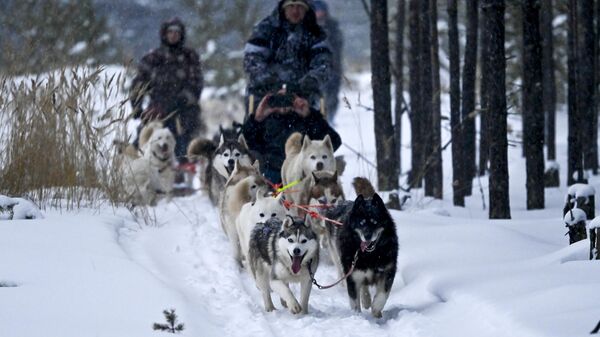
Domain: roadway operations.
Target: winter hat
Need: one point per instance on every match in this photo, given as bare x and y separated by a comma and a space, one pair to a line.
320, 5
302, 3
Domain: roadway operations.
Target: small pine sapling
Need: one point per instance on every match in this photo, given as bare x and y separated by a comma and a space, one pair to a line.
171, 325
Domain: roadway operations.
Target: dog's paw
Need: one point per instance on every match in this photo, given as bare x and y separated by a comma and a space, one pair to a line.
270, 308
377, 313
295, 308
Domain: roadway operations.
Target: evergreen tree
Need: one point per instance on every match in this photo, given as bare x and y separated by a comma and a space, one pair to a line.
172, 326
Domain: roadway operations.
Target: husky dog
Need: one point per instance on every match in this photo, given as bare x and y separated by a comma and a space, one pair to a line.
302, 157
152, 173
324, 191
259, 211
370, 233
240, 188
281, 252
221, 160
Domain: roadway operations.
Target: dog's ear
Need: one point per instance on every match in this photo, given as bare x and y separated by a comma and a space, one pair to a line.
327, 142
287, 222
259, 194
306, 142
378, 202
308, 221
242, 141
221, 140
256, 165
358, 202
315, 179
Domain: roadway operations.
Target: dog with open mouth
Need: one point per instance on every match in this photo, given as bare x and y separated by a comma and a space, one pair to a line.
280, 253
150, 174
368, 241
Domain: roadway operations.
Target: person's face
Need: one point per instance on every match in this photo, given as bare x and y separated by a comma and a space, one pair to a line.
295, 13
173, 36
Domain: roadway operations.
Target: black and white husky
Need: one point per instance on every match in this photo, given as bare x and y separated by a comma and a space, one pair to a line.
221, 161
280, 253
368, 239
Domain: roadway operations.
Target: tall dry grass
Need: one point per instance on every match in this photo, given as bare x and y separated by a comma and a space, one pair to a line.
56, 133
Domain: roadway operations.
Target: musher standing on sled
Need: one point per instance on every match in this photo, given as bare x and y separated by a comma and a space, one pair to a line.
286, 48
172, 76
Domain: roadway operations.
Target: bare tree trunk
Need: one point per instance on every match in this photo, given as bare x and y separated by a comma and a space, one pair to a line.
387, 160
551, 176
399, 108
455, 123
494, 56
533, 113
485, 109
416, 113
468, 95
586, 88
427, 95
436, 172
575, 153
549, 81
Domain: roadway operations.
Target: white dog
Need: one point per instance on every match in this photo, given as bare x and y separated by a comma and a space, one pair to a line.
303, 157
259, 211
147, 176
240, 188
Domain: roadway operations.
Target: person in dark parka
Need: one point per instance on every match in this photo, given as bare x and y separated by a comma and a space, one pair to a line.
288, 47
171, 75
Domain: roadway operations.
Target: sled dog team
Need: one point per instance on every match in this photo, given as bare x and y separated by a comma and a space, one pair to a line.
277, 235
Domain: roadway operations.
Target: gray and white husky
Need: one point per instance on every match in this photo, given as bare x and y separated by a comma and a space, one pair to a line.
221, 161
280, 253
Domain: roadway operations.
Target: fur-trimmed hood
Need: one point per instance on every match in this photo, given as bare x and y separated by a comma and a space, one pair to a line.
163, 32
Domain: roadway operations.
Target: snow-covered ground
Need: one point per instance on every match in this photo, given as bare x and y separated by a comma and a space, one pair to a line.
101, 273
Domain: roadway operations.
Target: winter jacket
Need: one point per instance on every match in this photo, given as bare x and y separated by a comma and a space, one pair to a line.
280, 53
172, 76
331, 88
269, 136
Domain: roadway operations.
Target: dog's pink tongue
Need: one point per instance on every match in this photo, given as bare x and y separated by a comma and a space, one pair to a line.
296, 264
364, 245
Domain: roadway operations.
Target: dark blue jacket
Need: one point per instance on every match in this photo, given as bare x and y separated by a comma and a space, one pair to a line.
280, 53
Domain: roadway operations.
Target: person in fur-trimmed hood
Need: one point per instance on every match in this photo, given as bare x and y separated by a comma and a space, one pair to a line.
171, 75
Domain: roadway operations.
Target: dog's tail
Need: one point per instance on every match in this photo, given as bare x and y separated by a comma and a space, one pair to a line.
293, 145
126, 149
200, 147
363, 187
147, 131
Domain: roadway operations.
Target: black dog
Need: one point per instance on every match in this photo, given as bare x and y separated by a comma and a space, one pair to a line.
368, 240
